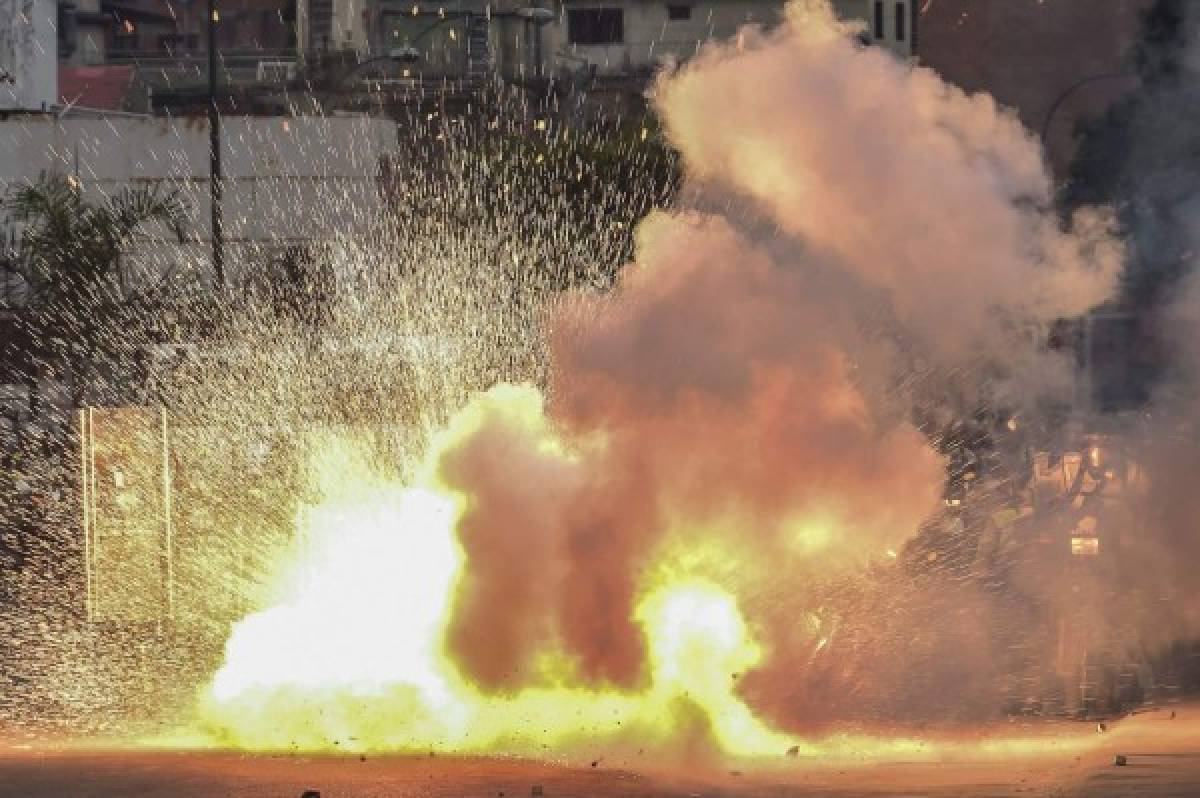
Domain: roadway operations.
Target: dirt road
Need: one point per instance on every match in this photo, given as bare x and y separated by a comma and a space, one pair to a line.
1162, 754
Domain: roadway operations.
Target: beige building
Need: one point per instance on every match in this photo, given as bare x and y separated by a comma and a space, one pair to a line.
894, 24
557, 39
638, 35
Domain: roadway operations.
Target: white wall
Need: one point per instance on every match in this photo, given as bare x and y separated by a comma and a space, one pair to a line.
287, 180
28, 54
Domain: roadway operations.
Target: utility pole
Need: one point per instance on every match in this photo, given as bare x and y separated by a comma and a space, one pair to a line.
214, 152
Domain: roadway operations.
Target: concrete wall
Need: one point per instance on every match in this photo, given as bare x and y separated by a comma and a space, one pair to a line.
288, 180
1028, 54
28, 54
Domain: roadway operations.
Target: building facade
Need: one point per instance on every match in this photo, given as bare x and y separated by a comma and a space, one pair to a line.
528, 40
470, 41
1055, 63
27, 76
93, 32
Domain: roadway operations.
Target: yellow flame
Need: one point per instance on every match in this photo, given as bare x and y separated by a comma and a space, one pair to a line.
697, 640
352, 656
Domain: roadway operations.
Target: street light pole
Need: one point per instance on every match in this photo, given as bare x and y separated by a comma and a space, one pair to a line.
1070, 90
214, 152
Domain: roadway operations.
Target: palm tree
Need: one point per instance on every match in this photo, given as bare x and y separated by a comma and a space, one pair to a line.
81, 315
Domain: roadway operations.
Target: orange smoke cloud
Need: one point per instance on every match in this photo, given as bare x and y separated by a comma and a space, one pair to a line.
712, 389
937, 198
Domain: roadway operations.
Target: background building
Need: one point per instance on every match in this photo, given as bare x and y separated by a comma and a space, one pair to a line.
1054, 61
611, 37
327, 49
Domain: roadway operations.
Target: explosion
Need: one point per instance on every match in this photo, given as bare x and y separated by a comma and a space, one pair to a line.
373, 586
635, 547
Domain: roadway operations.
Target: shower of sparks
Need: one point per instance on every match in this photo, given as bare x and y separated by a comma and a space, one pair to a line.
363, 346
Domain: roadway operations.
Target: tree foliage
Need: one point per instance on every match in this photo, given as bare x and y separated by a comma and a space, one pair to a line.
70, 250
83, 310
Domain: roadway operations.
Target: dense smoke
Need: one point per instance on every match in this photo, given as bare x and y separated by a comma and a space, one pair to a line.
935, 199
1156, 578
751, 378
708, 392
1140, 158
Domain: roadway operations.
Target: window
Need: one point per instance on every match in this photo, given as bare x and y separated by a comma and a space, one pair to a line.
878, 19
677, 13
596, 25
901, 22
124, 42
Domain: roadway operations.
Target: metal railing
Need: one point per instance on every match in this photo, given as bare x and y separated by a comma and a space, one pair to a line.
158, 69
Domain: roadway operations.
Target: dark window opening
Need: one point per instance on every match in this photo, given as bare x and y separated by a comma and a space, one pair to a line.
178, 42
878, 19
67, 28
596, 25
901, 22
677, 13
124, 43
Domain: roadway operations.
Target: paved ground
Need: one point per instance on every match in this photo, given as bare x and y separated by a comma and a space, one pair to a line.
1163, 762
